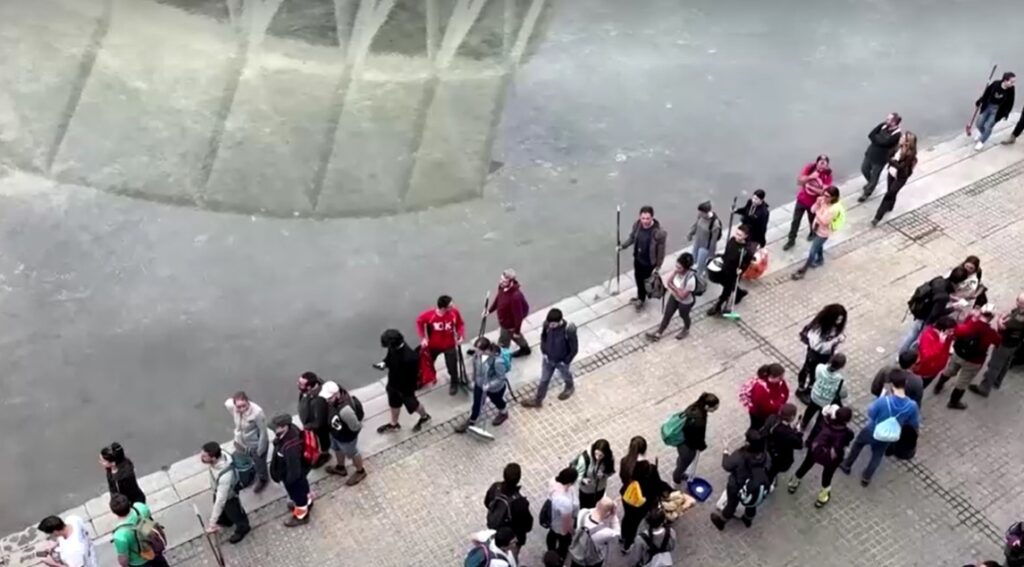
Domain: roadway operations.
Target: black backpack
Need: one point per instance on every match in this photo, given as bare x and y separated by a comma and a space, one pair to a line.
499, 513
923, 300
755, 486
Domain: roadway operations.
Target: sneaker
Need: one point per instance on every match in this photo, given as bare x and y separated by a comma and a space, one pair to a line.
863, 197
639, 305
865, 482
874, 223
979, 146
810, 236
652, 336
420, 423
824, 495
682, 334
291, 521
793, 485
523, 351
261, 485
336, 470
531, 403
978, 390
356, 477
389, 427
237, 536
499, 419
566, 394
799, 274
718, 521
788, 245
714, 311
747, 521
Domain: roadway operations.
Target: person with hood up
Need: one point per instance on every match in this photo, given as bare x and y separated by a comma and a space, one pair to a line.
705, 234
826, 446
756, 214
403, 366
288, 467
765, 393
489, 379
314, 415
120, 473
647, 239
748, 477
512, 308
251, 435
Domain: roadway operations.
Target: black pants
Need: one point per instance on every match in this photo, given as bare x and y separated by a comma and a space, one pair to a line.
871, 172
684, 458
157, 562
559, 543
757, 421
631, 518
671, 306
1019, 128
234, 515
451, 361
641, 272
799, 212
590, 499
729, 284
811, 361
812, 410
732, 501
894, 184
827, 471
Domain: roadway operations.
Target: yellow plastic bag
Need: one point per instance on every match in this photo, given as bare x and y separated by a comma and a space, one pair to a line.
633, 495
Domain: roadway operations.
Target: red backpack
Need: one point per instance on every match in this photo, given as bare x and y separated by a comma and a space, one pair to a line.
310, 447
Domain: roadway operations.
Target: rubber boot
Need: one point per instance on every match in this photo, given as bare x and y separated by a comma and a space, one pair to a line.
941, 383
955, 398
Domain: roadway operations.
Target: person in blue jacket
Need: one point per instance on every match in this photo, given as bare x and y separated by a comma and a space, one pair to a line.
893, 403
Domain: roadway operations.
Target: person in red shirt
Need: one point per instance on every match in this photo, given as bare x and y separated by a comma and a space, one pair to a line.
441, 329
973, 337
512, 309
814, 178
765, 394
933, 349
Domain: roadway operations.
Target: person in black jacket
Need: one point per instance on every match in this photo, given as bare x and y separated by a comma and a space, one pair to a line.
929, 303
694, 432
755, 215
121, 473
995, 104
505, 500
288, 467
782, 440
735, 260
884, 138
559, 344
403, 366
901, 167
740, 465
313, 413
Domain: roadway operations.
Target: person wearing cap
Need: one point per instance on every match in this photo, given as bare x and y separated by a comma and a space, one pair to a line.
346, 421
705, 234
972, 339
511, 306
313, 414
288, 467
755, 214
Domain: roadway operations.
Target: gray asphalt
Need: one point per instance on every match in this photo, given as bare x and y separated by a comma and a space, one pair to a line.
128, 319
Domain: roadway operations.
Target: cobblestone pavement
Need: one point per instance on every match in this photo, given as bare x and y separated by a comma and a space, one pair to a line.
948, 506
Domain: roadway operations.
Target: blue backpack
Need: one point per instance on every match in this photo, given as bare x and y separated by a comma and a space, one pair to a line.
479, 556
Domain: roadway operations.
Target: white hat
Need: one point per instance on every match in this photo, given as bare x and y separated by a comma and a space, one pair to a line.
329, 390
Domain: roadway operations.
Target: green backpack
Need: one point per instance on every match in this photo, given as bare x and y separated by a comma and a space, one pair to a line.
149, 536
672, 429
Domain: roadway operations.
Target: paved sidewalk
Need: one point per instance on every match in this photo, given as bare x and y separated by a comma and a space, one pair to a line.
945, 508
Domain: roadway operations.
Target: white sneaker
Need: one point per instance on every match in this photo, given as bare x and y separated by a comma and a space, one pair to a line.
979, 146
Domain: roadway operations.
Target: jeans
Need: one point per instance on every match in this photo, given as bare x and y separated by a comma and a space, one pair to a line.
547, 370
700, 259
671, 306
799, 211
298, 492
894, 184
827, 471
871, 172
451, 361
910, 339
234, 515
641, 272
684, 459
816, 255
732, 501
865, 437
497, 398
986, 122
998, 366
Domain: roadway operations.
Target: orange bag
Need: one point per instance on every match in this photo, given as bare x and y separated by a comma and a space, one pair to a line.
758, 266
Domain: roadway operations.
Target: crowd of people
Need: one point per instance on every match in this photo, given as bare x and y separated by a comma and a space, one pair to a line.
953, 329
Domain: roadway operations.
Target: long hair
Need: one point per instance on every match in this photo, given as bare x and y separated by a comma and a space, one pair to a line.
908, 151
637, 447
699, 408
827, 321
608, 462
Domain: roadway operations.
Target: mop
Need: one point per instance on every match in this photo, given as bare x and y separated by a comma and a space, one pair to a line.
618, 268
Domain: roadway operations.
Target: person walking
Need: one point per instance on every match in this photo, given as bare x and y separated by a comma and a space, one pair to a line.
403, 366
822, 337
120, 473
596, 528
829, 216
813, 180
346, 420
735, 260
695, 425
826, 447
655, 542
884, 139
765, 393
489, 379
289, 468
559, 344
755, 213
972, 339
643, 493
933, 350
994, 105
930, 301
564, 508
227, 510
748, 483
828, 388
508, 508
595, 467
648, 240
512, 308
441, 330
887, 416
1011, 333
70, 544
782, 440
915, 385
251, 437
313, 414
901, 167
130, 551
705, 234
681, 285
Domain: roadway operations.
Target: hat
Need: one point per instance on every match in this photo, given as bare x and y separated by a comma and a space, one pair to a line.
329, 390
509, 273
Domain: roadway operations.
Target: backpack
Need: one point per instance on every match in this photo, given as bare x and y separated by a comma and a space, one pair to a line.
839, 218
479, 555
700, 283
754, 488
747, 393
583, 550
827, 445
357, 407
672, 429
889, 429
656, 555
244, 468
310, 447
654, 286
633, 495
921, 302
499, 513
544, 519
506, 357
149, 536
